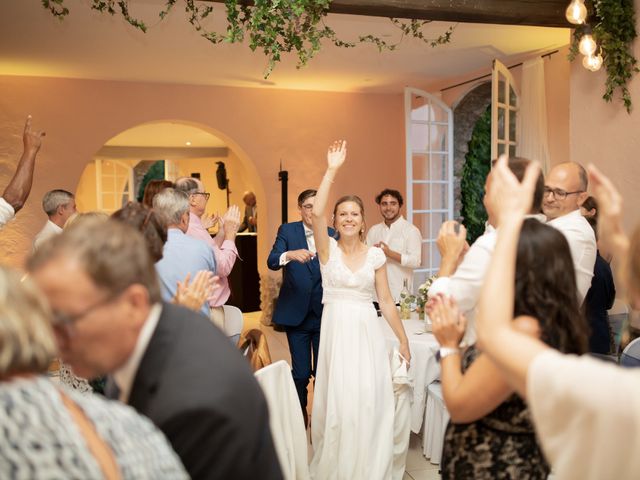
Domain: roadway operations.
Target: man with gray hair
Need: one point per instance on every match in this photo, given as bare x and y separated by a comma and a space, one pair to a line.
59, 205
165, 361
223, 246
182, 254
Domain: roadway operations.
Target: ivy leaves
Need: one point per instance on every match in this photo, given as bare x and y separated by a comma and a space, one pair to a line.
272, 26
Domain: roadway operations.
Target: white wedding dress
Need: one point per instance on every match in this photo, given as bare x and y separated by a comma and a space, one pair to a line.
353, 403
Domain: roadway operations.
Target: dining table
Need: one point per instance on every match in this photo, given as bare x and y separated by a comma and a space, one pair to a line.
424, 368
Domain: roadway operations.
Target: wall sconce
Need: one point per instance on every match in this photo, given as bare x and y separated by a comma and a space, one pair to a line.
576, 12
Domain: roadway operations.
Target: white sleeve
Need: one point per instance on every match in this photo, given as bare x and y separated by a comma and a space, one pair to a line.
413, 257
283, 259
465, 284
6, 212
584, 408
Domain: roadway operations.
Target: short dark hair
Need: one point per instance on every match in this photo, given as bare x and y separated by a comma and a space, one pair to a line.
393, 193
518, 166
306, 194
589, 204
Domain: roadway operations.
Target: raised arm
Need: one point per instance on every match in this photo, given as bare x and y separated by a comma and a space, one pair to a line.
336, 156
19, 187
511, 350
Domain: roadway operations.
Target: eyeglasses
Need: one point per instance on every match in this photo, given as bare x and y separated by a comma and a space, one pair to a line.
62, 320
559, 194
307, 206
206, 194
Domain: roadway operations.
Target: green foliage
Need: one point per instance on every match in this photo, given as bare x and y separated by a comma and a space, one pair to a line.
614, 31
155, 172
474, 174
272, 26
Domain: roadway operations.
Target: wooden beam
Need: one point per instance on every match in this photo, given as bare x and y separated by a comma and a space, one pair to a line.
544, 13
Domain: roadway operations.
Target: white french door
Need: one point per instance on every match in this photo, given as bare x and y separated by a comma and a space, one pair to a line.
429, 167
504, 111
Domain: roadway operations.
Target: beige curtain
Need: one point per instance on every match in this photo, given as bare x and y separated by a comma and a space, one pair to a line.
532, 125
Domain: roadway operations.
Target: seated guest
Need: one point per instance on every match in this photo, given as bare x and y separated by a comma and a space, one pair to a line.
599, 299
182, 254
17, 191
167, 362
51, 432
491, 434
59, 205
189, 293
583, 409
152, 189
250, 219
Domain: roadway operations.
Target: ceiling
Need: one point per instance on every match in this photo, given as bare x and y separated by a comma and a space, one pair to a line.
91, 45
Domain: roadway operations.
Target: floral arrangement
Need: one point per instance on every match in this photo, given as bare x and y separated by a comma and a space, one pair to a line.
423, 296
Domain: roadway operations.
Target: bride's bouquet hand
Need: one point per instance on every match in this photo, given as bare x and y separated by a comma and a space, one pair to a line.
336, 154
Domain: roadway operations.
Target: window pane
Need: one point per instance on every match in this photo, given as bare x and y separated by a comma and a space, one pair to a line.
419, 108
419, 137
420, 166
501, 123
513, 99
501, 90
501, 148
438, 138
512, 125
421, 221
438, 114
439, 170
512, 150
421, 196
439, 196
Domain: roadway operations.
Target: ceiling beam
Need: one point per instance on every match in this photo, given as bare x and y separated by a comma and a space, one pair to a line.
543, 13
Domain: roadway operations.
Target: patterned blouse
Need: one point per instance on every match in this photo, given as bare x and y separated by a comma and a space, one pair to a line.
41, 440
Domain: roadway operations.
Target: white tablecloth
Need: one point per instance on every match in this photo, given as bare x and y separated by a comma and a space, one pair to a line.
424, 368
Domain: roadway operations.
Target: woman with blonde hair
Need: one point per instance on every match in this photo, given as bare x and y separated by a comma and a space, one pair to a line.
52, 432
353, 403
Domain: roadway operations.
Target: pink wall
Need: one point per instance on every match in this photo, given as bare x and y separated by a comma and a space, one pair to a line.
604, 134
261, 127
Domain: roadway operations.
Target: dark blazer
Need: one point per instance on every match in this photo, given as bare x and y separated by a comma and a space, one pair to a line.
301, 289
199, 390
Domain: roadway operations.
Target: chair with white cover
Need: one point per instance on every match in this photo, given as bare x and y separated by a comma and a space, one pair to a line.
233, 322
285, 419
630, 356
436, 418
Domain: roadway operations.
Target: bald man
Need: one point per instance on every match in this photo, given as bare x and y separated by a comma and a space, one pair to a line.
564, 191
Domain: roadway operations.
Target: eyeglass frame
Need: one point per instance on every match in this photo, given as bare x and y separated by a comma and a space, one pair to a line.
308, 206
207, 195
558, 193
64, 320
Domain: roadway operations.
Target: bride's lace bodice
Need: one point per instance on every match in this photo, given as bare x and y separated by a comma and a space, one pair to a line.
339, 283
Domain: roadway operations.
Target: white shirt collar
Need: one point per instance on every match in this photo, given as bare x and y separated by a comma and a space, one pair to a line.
125, 375
54, 226
397, 222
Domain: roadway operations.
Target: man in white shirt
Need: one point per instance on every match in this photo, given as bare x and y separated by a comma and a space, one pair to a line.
565, 190
400, 241
461, 275
16, 193
59, 205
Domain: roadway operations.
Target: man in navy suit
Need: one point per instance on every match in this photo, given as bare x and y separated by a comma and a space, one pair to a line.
299, 306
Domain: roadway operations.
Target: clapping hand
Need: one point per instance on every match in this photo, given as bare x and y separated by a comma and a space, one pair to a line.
448, 323
31, 139
231, 219
451, 244
337, 154
508, 197
210, 221
193, 295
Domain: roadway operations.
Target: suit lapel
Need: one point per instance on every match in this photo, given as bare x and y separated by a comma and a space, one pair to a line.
147, 378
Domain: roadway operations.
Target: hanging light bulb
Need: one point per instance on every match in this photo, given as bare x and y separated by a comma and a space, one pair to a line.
592, 62
587, 45
576, 12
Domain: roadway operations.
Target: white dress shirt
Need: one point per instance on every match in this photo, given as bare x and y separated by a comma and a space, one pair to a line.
49, 230
467, 281
404, 238
582, 243
311, 245
6, 212
125, 375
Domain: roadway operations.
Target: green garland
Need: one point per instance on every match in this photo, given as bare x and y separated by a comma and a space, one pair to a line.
614, 30
477, 163
273, 26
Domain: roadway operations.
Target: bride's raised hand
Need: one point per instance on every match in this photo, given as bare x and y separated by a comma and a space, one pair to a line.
336, 154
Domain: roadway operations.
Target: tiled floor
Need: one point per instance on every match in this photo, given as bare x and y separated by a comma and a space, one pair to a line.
417, 467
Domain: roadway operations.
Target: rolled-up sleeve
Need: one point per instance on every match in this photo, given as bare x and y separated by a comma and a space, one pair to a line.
412, 258
6, 212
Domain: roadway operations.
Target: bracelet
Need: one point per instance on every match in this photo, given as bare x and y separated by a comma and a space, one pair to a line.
444, 352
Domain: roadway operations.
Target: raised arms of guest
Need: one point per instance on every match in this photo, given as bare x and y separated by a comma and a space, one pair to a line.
349, 224
18, 189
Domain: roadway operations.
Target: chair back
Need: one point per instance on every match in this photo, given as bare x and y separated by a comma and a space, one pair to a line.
253, 345
233, 320
285, 419
631, 354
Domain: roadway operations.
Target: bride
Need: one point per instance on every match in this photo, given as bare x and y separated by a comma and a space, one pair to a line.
353, 403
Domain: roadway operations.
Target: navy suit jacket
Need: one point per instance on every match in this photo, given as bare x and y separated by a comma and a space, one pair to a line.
301, 289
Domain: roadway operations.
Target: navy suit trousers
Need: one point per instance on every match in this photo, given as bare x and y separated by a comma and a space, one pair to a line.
304, 340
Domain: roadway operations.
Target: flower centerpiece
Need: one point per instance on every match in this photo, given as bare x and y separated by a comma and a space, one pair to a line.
422, 297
